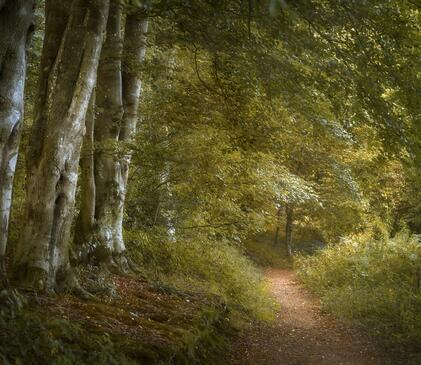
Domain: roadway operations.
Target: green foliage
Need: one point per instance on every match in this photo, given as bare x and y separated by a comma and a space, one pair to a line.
374, 283
31, 338
262, 251
211, 266
11, 302
143, 323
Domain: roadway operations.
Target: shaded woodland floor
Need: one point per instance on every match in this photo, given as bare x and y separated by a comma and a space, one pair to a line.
302, 334
139, 322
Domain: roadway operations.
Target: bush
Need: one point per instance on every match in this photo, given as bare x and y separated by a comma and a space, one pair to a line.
215, 267
376, 284
265, 254
30, 338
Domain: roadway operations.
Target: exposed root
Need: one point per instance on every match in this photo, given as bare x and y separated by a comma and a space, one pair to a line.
97, 281
118, 264
31, 278
133, 266
68, 282
95, 262
81, 293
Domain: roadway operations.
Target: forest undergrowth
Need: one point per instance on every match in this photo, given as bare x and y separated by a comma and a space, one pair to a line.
374, 283
184, 307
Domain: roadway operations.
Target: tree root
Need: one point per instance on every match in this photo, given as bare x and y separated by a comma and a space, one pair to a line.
68, 282
31, 278
94, 263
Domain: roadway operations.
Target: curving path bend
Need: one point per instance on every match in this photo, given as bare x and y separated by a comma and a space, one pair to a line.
302, 334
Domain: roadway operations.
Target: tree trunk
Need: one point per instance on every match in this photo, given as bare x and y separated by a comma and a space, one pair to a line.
86, 218
71, 51
109, 105
278, 226
134, 53
289, 210
16, 25
117, 101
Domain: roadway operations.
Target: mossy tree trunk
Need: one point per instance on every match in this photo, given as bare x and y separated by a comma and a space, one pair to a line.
117, 102
133, 55
72, 45
86, 217
109, 106
16, 25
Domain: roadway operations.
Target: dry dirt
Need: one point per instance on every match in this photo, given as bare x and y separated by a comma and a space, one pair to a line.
302, 334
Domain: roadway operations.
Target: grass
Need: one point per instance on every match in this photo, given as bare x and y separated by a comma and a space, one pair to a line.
375, 284
213, 267
185, 306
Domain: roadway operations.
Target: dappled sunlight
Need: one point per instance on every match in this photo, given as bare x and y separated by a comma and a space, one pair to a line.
168, 167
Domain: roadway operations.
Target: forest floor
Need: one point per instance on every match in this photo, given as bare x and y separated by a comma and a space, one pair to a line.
142, 322
302, 334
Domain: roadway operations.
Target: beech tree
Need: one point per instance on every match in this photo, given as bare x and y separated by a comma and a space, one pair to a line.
16, 25
107, 121
116, 112
72, 45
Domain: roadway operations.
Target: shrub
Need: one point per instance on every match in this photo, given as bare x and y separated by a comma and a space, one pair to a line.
374, 283
31, 338
263, 253
209, 265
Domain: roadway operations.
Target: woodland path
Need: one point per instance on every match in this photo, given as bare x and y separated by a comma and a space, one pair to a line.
302, 335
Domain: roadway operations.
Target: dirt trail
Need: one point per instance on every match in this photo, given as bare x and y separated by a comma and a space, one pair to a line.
302, 335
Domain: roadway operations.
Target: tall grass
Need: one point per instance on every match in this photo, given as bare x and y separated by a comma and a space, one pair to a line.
212, 266
374, 283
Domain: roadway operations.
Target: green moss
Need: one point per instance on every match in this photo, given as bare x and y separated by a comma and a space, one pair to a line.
140, 326
32, 338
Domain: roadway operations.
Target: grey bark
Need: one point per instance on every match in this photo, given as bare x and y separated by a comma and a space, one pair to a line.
16, 24
71, 51
109, 105
134, 54
117, 101
86, 217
